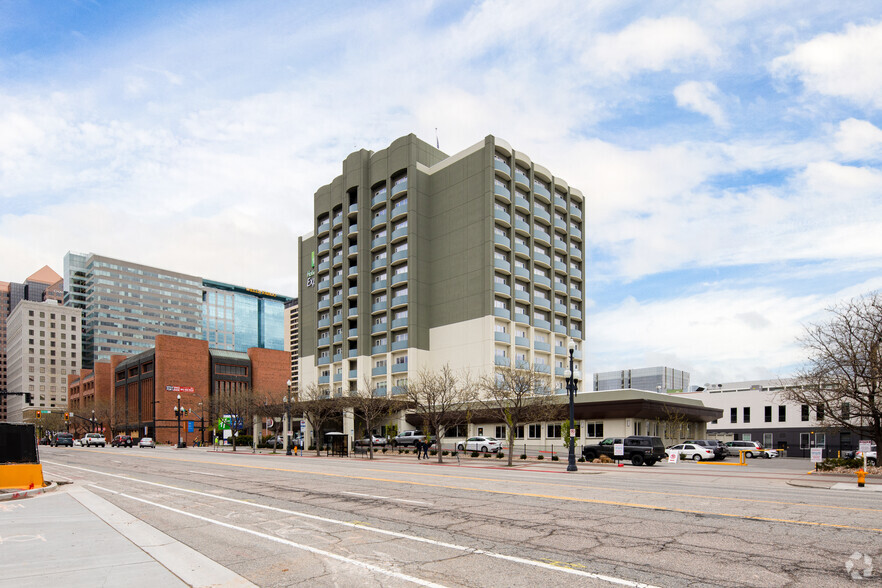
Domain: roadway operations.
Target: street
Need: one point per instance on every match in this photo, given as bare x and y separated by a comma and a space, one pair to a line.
396, 521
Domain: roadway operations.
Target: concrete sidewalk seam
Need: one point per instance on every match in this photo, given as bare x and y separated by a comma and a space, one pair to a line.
192, 567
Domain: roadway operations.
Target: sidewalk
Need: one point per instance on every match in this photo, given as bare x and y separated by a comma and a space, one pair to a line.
73, 537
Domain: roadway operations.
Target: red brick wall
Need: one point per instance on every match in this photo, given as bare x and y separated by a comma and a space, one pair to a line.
181, 362
270, 371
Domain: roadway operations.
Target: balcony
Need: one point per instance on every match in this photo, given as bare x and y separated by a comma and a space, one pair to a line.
503, 216
502, 264
522, 318
575, 252
399, 233
338, 259
537, 279
503, 191
561, 267
522, 226
338, 299
575, 213
378, 242
353, 374
323, 228
575, 333
324, 304
575, 233
338, 338
559, 371
576, 293
521, 177
353, 208
560, 224
522, 295
353, 333
576, 273
502, 166
558, 350
338, 318
523, 204
399, 187
576, 314
560, 329
502, 289
541, 214
398, 210
502, 313
541, 259
399, 301
379, 264
560, 203
541, 324
379, 392
538, 346
560, 245
522, 249
378, 221
399, 255
379, 198
379, 370
398, 345
353, 291
541, 190
542, 237
324, 379
339, 375
522, 341
397, 368
378, 285
379, 307
399, 278
352, 352
379, 327
502, 337
324, 266
324, 323
399, 323
502, 360
324, 341
505, 242
353, 229
542, 302
337, 240
542, 368
324, 246
560, 308
352, 271
338, 220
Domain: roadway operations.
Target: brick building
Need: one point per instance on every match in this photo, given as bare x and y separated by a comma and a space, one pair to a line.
89, 392
146, 386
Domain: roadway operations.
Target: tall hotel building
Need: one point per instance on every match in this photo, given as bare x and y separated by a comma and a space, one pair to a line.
126, 305
419, 259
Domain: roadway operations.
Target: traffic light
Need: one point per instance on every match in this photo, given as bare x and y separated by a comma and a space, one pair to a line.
66, 416
38, 415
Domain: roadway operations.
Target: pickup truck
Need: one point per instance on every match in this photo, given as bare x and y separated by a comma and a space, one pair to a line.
408, 438
639, 450
94, 439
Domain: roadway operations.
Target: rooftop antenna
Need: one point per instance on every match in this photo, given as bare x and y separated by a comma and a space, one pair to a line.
437, 143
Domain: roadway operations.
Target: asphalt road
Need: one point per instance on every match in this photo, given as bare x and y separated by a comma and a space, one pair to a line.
291, 521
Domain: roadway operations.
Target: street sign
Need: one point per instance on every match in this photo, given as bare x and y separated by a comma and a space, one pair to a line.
674, 457
270, 423
817, 454
619, 449
302, 427
189, 426
865, 446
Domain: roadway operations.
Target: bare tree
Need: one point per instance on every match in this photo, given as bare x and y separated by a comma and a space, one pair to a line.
440, 399
518, 395
842, 378
238, 404
316, 406
371, 408
674, 423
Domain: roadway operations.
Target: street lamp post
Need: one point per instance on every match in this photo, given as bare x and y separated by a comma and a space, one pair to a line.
571, 376
178, 411
286, 425
201, 423
94, 428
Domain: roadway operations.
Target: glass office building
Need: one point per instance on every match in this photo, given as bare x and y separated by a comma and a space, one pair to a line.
236, 318
651, 379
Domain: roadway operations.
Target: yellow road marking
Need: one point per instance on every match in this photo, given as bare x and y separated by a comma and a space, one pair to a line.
545, 496
553, 484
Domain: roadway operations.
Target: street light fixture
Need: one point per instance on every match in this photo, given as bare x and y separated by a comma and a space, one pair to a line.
572, 376
286, 425
178, 411
94, 428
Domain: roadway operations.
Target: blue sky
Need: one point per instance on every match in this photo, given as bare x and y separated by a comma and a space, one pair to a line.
730, 151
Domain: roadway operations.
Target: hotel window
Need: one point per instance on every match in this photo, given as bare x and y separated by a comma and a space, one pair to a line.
503, 304
501, 352
522, 217
401, 269
520, 286
500, 328
400, 291
500, 432
380, 363
782, 413
520, 263
500, 231
819, 412
805, 412
746, 412
501, 207
593, 430
500, 255
400, 337
768, 414
380, 277
553, 431
733, 414
534, 431
502, 186
380, 233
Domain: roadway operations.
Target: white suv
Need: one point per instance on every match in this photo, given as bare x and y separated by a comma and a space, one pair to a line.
750, 449
94, 439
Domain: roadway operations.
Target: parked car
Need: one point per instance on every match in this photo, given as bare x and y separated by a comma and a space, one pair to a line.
750, 449
691, 451
94, 439
121, 441
871, 455
718, 447
485, 444
639, 449
146, 442
62, 439
77, 443
407, 438
372, 440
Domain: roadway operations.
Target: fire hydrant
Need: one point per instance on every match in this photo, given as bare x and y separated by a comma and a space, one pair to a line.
861, 474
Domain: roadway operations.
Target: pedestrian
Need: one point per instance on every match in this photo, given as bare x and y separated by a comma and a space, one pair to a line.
426, 449
418, 446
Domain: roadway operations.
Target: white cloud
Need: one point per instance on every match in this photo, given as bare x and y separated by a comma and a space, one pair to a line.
701, 98
846, 65
669, 43
859, 140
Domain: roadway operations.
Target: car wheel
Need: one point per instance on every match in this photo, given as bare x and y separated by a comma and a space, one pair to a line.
484, 449
589, 456
696, 457
650, 462
637, 459
460, 447
748, 454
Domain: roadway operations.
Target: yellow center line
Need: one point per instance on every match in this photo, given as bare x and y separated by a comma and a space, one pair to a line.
527, 494
535, 482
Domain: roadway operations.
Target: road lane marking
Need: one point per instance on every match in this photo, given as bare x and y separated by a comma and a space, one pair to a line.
363, 527
387, 498
532, 495
207, 474
506, 481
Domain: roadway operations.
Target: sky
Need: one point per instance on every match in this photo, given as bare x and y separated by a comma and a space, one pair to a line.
730, 151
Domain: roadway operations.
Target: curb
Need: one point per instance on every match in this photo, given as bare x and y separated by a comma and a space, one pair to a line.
27, 493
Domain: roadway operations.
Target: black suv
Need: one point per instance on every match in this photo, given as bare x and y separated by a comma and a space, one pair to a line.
719, 449
639, 449
62, 439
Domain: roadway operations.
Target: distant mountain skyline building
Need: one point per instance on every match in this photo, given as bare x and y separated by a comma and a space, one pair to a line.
126, 305
651, 379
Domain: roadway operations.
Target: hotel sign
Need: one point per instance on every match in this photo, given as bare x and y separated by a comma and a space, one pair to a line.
180, 389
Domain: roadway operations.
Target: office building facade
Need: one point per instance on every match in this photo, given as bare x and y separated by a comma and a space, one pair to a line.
419, 259
651, 379
126, 305
44, 346
43, 285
